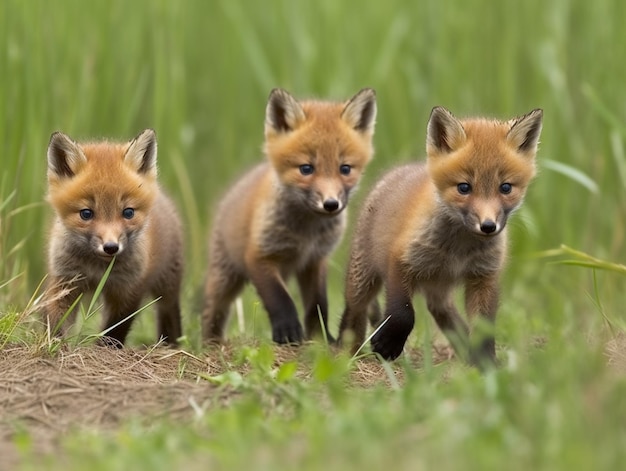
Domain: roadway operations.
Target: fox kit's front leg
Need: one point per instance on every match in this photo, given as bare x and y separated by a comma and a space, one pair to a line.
266, 278
312, 281
399, 318
481, 297
169, 325
440, 303
61, 294
118, 312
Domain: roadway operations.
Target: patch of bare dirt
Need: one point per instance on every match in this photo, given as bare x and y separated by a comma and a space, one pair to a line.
95, 387
98, 387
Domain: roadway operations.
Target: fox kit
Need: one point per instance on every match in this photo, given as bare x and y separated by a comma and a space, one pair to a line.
285, 216
108, 204
429, 227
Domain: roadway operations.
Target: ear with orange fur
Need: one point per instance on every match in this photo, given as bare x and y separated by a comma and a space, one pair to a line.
444, 133
525, 131
142, 153
65, 157
283, 112
360, 111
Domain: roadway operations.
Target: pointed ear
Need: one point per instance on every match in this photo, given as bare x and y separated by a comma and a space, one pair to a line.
525, 131
283, 113
142, 152
444, 133
65, 157
360, 111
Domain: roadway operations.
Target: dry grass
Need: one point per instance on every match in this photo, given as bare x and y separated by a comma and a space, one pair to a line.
616, 352
97, 387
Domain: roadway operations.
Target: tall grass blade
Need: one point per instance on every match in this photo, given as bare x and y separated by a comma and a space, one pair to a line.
10, 280
602, 109
572, 173
322, 325
583, 260
98, 290
617, 146
103, 333
356, 354
66, 314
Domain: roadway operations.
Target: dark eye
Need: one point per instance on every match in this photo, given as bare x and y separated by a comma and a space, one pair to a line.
506, 188
306, 169
128, 213
464, 188
86, 214
345, 169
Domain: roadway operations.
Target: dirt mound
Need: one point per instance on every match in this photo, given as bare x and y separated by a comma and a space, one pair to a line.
98, 387
95, 387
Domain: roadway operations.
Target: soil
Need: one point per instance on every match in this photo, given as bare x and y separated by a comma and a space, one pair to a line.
46, 395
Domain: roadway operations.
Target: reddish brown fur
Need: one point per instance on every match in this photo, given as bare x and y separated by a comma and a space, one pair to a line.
417, 231
107, 178
277, 221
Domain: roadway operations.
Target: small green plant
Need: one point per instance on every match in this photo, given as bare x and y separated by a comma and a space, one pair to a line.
582, 259
12, 265
54, 341
578, 258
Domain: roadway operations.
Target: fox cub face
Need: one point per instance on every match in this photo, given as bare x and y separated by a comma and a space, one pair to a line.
481, 168
319, 149
102, 192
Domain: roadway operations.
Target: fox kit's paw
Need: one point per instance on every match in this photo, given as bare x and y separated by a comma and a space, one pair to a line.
484, 355
286, 332
387, 346
389, 341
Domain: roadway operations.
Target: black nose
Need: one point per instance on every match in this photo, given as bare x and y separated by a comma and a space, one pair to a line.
110, 248
331, 205
488, 226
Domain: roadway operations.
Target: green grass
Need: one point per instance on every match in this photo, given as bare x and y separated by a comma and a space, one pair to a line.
199, 73
530, 414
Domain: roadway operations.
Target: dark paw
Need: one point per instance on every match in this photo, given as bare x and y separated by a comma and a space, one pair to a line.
484, 357
288, 332
386, 347
389, 341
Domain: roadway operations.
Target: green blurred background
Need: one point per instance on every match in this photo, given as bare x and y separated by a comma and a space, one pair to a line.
199, 73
